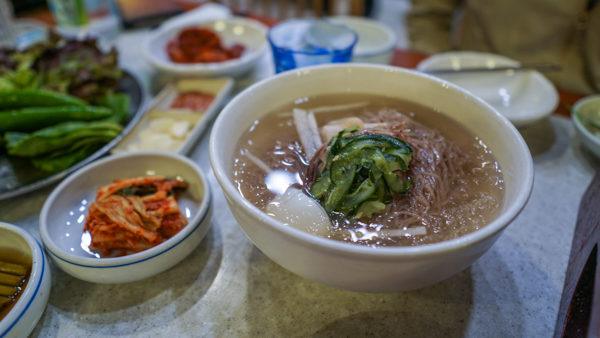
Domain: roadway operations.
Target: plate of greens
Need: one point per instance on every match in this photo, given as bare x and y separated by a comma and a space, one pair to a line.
63, 104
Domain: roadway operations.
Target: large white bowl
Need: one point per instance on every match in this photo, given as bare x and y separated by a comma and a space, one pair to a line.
28, 310
523, 97
355, 267
63, 216
249, 33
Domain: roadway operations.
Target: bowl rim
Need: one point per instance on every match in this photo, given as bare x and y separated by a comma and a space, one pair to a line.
545, 84
428, 62
577, 120
39, 268
149, 45
392, 38
349, 249
139, 257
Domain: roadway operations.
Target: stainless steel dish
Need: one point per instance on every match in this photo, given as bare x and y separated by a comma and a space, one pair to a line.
18, 176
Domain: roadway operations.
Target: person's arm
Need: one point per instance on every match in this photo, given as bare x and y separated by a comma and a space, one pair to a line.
592, 46
429, 24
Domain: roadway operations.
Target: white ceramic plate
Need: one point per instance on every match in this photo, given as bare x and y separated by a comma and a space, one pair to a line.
220, 88
249, 33
523, 97
64, 212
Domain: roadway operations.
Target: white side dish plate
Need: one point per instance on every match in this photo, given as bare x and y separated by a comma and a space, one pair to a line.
523, 97
250, 33
63, 217
176, 130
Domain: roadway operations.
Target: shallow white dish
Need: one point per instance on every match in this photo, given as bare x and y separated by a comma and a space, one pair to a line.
523, 97
28, 310
376, 42
205, 12
249, 33
590, 140
63, 216
355, 267
220, 88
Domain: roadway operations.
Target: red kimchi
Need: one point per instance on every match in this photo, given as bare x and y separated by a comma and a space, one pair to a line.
135, 214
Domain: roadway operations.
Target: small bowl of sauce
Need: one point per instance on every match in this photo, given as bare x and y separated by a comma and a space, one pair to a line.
24, 281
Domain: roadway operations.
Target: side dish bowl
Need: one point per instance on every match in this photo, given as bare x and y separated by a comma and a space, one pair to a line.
249, 33
30, 306
355, 267
590, 139
523, 97
63, 217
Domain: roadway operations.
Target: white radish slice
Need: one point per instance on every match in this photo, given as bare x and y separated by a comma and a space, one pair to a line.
179, 129
329, 109
375, 125
307, 138
314, 130
332, 128
414, 231
292, 206
161, 124
277, 181
257, 161
149, 139
334, 108
300, 211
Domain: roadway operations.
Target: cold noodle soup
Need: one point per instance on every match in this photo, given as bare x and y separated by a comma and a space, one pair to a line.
368, 170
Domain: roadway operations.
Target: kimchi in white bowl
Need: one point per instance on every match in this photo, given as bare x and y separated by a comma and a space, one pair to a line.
107, 235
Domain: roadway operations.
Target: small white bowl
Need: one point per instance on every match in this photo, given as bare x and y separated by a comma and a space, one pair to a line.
356, 267
63, 217
523, 97
28, 310
249, 33
591, 141
376, 42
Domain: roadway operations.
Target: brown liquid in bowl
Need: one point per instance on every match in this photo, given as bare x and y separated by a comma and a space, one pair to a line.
475, 187
14, 257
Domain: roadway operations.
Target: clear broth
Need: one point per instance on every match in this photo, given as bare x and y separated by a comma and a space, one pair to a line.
475, 202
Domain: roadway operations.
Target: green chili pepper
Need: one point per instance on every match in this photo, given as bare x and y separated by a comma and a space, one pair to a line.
10, 99
362, 172
60, 136
62, 161
27, 119
119, 104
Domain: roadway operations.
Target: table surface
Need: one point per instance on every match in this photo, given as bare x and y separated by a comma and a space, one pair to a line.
227, 287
